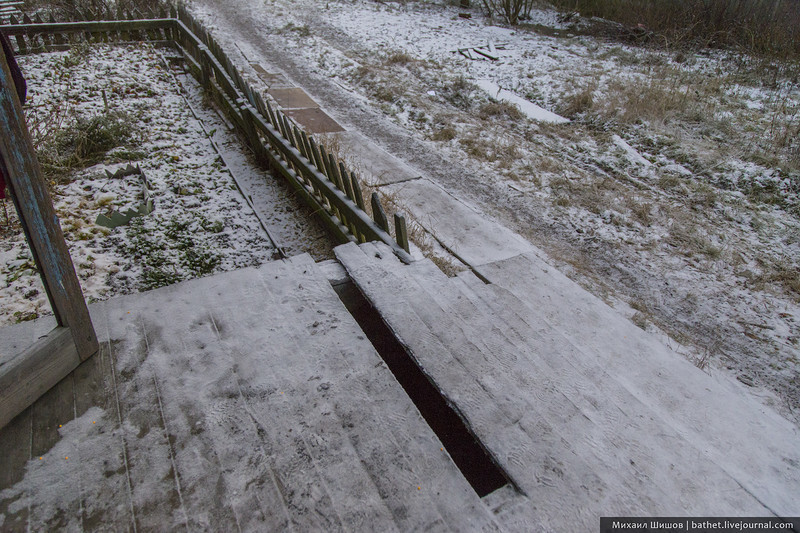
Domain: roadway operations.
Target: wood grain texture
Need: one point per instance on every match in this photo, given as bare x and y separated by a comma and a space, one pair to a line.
29, 375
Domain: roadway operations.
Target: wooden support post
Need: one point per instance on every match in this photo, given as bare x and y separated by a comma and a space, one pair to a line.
252, 134
378, 214
56, 36
401, 231
37, 19
39, 221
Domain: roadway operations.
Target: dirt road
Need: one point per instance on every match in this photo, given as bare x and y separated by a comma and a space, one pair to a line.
721, 323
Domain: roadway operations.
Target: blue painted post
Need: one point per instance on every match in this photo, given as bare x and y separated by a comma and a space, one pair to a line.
21, 168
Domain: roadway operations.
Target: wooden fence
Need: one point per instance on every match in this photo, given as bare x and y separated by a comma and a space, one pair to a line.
321, 180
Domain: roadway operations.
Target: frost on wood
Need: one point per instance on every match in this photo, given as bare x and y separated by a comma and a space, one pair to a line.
672, 192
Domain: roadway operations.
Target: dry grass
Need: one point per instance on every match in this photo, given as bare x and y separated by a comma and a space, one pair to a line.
398, 58
783, 273
578, 102
444, 134
655, 99
498, 109
689, 239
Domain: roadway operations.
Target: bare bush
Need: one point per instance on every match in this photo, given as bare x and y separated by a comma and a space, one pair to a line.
80, 9
512, 11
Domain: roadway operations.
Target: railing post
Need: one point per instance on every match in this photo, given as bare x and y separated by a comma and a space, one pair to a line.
401, 231
28, 190
378, 214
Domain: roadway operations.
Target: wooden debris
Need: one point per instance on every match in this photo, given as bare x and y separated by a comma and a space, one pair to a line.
480, 53
117, 218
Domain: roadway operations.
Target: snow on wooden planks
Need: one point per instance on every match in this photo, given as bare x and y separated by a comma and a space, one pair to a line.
250, 400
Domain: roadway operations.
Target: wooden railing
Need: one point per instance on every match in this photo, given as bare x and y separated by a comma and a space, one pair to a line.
321, 179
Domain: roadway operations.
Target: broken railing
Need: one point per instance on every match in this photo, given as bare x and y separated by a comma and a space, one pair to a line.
321, 179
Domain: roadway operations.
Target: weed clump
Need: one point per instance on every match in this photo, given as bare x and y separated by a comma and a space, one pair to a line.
458, 92
444, 134
578, 102
85, 141
399, 58
501, 109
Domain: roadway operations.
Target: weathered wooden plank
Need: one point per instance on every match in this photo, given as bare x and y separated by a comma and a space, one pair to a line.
51, 412
57, 37
15, 451
319, 162
39, 220
92, 383
344, 185
313, 158
401, 231
359, 195
33, 372
89, 26
378, 214
37, 19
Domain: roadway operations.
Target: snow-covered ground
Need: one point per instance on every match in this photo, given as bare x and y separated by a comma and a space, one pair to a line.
672, 192
201, 223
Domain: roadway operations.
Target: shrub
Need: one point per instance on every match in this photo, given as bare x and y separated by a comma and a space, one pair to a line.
512, 11
769, 27
85, 141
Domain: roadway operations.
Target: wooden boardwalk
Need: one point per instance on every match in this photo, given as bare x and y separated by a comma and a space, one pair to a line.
589, 415
246, 401
253, 401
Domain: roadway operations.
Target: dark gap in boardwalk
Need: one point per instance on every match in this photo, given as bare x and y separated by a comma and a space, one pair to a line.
477, 466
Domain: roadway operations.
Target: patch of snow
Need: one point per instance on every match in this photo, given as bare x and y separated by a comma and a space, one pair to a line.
529, 109
631, 153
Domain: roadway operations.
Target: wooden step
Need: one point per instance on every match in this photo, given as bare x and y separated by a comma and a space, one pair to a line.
530, 446
385, 291
248, 400
706, 412
566, 411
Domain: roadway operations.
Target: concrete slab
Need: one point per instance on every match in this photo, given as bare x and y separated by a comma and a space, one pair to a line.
378, 165
314, 120
292, 98
467, 234
272, 80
